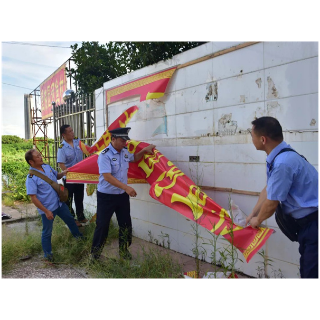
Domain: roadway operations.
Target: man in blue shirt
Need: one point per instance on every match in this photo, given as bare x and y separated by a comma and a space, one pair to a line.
113, 192
46, 199
293, 183
70, 153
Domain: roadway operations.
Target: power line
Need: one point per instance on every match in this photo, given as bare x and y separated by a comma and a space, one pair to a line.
34, 44
8, 84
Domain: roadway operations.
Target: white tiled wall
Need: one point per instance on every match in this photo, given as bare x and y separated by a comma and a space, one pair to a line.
278, 79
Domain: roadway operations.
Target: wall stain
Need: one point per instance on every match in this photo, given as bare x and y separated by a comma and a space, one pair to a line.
226, 126
313, 122
258, 82
212, 92
272, 90
242, 98
272, 108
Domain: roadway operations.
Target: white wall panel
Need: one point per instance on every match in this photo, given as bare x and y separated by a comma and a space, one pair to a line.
241, 89
281, 248
163, 216
192, 99
249, 177
100, 119
240, 117
277, 79
194, 124
292, 79
239, 153
238, 62
277, 53
99, 98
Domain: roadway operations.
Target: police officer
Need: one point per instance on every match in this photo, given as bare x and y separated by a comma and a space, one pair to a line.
293, 182
113, 192
70, 153
46, 199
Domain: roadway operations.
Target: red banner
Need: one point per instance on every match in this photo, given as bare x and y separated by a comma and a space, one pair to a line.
51, 90
105, 139
150, 87
173, 188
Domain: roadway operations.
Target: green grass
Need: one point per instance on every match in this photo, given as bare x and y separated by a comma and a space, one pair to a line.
68, 250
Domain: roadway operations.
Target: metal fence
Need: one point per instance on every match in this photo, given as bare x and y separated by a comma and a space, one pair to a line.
79, 113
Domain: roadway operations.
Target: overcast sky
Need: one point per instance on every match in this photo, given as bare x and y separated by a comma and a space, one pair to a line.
24, 67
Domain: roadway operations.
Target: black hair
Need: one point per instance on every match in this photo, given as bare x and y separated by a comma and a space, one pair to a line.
29, 155
63, 128
269, 127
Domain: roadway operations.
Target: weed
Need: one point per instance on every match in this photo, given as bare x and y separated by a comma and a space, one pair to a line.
262, 270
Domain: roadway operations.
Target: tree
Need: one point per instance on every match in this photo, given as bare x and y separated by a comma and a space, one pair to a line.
96, 63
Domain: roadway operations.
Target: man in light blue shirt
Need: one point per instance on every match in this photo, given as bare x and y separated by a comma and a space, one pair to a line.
292, 182
113, 192
70, 153
46, 199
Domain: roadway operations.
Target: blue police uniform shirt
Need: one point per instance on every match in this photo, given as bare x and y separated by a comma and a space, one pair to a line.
68, 155
111, 161
293, 181
42, 189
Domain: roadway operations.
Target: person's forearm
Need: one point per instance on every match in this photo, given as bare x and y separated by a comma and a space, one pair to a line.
148, 149
114, 181
262, 198
37, 203
60, 175
267, 210
62, 166
139, 155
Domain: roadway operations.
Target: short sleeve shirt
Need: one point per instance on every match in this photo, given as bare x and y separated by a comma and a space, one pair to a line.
42, 189
68, 155
116, 163
293, 181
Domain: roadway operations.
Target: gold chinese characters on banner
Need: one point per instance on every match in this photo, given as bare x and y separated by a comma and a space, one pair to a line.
52, 89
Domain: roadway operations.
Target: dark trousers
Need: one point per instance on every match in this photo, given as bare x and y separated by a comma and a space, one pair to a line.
107, 204
308, 248
76, 190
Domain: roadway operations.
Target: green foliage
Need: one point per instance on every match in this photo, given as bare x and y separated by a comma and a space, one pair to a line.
15, 168
7, 139
97, 63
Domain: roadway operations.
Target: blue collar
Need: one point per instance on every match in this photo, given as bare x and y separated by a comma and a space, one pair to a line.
42, 166
276, 150
114, 151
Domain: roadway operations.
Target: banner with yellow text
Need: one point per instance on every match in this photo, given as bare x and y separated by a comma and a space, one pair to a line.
52, 89
173, 188
105, 139
150, 87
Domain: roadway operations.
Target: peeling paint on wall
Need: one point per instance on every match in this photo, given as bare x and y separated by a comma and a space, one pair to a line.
162, 128
272, 108
258, 82
212, 92
242, 98
226, 126
313, 122
272, 90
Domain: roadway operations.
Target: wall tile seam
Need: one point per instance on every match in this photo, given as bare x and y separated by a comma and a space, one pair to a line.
290, 262
290, 62
160, 225
294, 96
216, 80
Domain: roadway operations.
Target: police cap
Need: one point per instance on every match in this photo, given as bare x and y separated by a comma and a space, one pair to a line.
120, 133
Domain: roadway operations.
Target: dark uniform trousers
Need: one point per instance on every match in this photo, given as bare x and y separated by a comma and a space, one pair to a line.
107, 204
308, 245
76, 190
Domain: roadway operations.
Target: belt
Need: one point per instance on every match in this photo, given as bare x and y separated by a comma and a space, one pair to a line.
304, 221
